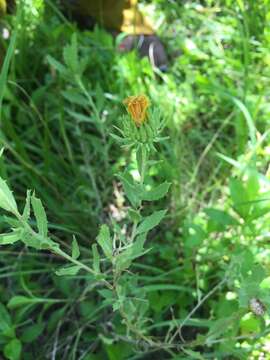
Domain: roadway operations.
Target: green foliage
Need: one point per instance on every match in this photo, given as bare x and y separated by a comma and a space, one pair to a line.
105, 241
150, 221
7, 200
12, 350
136, 242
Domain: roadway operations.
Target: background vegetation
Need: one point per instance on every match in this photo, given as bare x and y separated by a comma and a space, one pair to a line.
208, 264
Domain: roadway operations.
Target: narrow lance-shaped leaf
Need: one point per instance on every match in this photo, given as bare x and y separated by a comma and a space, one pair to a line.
96, 259
26, 210
7, 201
40, 216
75, 249
105, 241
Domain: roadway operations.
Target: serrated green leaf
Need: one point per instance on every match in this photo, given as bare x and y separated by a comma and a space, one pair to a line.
12, 350
68, 270
157, 193
75, 249
7, 201
105, 241
151, 221
96, 259
40, 216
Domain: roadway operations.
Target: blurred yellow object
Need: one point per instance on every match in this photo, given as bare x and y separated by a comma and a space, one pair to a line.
120, 15
3, 7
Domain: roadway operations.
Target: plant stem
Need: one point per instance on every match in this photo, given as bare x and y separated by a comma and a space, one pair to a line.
57, 250
143, 165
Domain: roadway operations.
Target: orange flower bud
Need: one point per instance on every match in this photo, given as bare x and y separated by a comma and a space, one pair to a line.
136, 107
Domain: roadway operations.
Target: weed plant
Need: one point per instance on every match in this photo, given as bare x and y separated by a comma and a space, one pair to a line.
140, 234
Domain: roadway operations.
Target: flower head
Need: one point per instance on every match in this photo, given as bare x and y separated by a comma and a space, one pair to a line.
137, 107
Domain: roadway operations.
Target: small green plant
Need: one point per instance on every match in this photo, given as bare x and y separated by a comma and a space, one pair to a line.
117, 244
